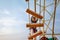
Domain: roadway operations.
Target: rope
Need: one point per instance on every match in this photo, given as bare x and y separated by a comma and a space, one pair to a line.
40, 9
35, 11
35, 5
39, 14
44, 17
29, 19
49, 21
51, 18
29, 8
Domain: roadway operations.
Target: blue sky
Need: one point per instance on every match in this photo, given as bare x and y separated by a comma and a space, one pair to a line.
13, 19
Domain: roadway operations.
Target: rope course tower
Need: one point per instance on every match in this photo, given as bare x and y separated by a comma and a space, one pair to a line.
39, 20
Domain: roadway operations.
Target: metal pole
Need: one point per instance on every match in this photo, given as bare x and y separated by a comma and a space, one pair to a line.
55, 3
44, 17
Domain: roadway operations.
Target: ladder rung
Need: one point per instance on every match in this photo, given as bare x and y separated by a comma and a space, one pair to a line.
35, 34
35, 25
34, 13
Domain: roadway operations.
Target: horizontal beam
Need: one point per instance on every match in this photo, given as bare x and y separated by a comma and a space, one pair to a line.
34, 13
54, 34
34, 25
35, 34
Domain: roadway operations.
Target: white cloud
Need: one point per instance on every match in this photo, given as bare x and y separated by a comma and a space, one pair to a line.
4, 11
9, 24
5, 30
8, 32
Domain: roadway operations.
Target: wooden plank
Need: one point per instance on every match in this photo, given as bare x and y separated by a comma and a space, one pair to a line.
30, 39
34, 13
35, 34
35, 25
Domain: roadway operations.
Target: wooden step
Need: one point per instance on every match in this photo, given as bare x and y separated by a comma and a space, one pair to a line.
35, 25
35, 35
34, 13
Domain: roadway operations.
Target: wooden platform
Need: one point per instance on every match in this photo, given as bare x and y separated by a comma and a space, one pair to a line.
34, 13
35, 25
35, 34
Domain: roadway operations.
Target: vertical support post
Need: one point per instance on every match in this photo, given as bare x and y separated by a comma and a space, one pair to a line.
44, 17
55, 3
